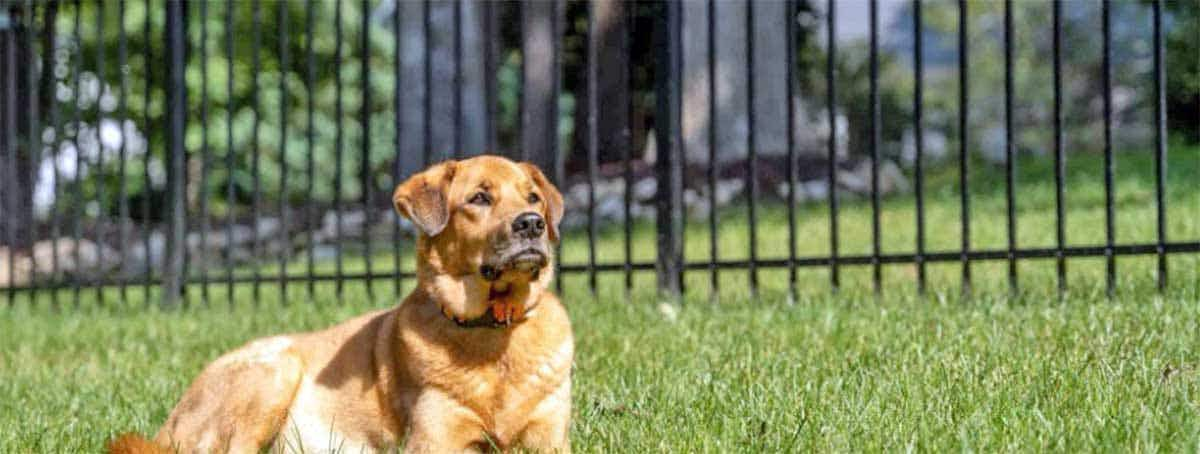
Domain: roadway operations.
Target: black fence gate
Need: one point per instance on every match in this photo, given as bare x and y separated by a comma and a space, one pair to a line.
162, 133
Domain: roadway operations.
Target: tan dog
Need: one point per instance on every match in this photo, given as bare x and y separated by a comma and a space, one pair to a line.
478, 356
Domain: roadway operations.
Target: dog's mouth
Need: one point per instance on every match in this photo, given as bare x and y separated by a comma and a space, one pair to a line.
528, 261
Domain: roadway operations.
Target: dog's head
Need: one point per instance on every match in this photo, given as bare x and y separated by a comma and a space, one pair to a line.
487, 229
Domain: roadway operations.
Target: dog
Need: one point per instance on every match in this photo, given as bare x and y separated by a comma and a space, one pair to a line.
478, 357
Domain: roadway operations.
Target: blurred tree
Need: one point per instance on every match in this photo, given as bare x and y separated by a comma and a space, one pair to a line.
1183, 69
210, 66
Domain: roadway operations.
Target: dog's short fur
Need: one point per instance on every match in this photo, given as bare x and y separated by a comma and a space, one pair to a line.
413, 376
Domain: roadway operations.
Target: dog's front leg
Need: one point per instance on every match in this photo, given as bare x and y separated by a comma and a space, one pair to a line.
439, 424
550, 423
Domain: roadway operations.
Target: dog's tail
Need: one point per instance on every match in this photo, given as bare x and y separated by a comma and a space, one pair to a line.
132, 443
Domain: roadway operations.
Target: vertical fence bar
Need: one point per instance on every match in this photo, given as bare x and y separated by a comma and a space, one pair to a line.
173, 272
876, 269
667, 167
751, 151
714, 255
919, 141
77, 184
33, 127
831, 100
230, 105
49, 19
397, 109
8, 86
206, 155
627, 153
123, 113
593, 138
35, 135
8, 145
1110, 274
427, 76
790, 61
554, 155
364, 119
1009, 149
147, 85
1060, 215
309, 74
1160, 144
427, 67
285, 233
521, 143
963, 155
492, 42
7, 161
9, 139
337, 147
457, 79
99, 165
255, 154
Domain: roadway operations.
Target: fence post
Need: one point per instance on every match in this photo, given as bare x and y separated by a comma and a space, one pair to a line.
668, 165
173, 272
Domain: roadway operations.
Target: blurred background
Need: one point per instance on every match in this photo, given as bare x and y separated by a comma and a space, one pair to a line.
301, 116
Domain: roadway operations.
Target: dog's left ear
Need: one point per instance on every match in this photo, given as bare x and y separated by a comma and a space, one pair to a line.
423, 198
554, 200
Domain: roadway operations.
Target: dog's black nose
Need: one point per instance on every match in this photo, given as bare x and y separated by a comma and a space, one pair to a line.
529, 225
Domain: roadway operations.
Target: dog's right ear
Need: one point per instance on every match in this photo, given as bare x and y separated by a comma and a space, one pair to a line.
423, 198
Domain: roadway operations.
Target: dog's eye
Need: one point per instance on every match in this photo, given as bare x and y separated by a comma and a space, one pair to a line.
533, 198
480, 198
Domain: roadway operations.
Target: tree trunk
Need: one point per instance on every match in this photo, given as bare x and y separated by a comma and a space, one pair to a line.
458, 122
612, 87
541, 26
731, 73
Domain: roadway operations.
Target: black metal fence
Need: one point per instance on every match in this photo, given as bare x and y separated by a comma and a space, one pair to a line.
67, 102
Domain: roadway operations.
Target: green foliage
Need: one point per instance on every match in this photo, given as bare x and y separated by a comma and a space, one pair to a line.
231, 118
1183, 69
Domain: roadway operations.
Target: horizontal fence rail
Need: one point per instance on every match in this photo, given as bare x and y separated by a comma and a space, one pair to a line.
170, 148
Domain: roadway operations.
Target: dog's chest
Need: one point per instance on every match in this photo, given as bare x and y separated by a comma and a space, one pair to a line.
504, 390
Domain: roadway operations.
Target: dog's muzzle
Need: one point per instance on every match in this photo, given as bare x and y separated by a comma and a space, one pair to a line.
526, 260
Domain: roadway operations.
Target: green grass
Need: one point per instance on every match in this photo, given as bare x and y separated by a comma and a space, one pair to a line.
828, 372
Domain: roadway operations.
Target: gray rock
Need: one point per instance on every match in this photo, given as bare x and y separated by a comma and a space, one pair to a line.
891, 178
138, 259
95, 261
934, 146
645, 189
729, 189
815, 190
858, 179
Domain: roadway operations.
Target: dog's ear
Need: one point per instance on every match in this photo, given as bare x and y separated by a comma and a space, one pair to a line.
423, 198
554, 200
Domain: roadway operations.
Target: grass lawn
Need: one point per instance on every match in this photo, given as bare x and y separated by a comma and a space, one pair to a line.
828, 372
